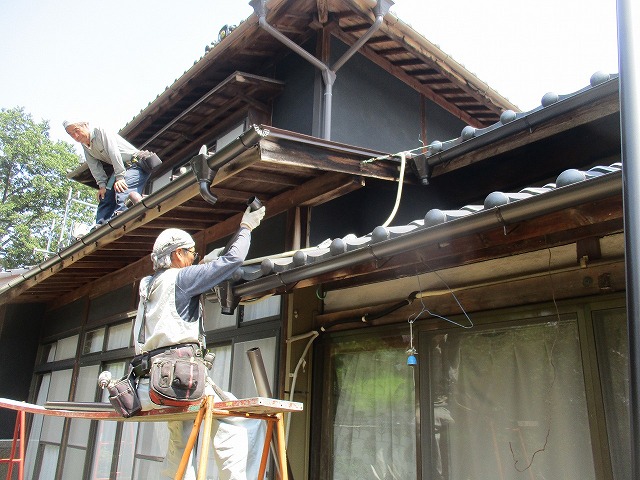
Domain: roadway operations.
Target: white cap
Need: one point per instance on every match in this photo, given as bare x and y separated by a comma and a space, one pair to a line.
68, 123
170, 240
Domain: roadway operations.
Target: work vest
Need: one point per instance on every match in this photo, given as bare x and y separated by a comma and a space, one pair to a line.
163, 326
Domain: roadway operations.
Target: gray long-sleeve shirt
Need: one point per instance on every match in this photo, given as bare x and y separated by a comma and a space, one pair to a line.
109, 148
197, 279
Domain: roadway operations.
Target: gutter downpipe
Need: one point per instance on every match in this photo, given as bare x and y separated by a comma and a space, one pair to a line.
629, 78
328, 74
562, 198
245, 141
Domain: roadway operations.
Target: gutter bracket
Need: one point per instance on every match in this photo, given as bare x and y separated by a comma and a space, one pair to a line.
421, 167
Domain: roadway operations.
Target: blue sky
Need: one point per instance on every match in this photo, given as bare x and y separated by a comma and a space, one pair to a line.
104, 61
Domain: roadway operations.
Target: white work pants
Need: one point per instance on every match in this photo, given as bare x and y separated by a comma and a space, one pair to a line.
237, 442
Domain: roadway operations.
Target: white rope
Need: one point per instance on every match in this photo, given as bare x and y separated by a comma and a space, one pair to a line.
403, 162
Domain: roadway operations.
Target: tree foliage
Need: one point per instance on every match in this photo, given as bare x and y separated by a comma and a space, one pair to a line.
34, 190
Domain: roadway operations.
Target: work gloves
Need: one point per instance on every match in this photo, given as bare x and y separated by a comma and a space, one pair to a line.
211, 256
252, 219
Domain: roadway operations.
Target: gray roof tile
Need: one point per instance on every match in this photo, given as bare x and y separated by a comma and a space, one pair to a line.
433, 217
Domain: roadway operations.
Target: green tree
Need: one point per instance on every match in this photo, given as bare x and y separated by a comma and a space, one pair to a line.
34, 190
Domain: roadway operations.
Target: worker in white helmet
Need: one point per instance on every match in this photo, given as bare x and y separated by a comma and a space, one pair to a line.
169, 304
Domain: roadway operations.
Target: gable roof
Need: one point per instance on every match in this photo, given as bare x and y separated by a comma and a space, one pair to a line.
195, 101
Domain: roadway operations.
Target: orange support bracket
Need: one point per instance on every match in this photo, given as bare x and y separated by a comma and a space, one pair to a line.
17, 444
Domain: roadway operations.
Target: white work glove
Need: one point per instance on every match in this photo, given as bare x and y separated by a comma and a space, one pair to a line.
252, 219
211, 256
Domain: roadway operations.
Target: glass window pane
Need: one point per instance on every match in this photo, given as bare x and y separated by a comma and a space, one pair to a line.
119, 336
103, 449
612, 344
93, 341
85, 392
265, 308
146, 469
221, 371
49, 462
213, 317
373, 405
153, 438
36, 427
152, 442
47, 353
509, 403
74, 459
127, 447
58, 391
242, 383
67, 348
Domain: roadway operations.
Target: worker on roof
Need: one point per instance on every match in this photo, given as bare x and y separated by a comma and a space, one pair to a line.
170, 315
131, 166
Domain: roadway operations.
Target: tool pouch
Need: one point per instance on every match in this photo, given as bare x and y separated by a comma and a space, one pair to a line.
177, 377
146, 160
124, 396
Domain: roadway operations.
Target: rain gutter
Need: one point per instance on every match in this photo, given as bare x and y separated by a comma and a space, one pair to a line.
565, 197
245, 141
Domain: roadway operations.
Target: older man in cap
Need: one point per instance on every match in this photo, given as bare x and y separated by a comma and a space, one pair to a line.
169, 315
131, 166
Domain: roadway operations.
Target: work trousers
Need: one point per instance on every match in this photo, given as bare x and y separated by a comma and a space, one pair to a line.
113, 202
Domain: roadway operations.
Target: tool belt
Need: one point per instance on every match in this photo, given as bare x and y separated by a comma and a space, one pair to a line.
177, 375
146, 160
123, 395
142, 363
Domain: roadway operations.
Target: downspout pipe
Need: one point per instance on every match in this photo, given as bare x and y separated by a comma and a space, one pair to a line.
328, 74
629, 68
556, 200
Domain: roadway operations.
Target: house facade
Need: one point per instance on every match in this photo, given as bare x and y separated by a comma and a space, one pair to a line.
439, 277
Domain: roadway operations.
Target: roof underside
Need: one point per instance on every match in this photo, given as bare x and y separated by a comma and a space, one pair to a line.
281, 168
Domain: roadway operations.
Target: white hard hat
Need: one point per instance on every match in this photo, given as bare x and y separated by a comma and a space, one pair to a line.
170, 240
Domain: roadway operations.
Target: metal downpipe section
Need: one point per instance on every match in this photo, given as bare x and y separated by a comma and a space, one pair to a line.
328, 74
628, 18
259, 372
560, 199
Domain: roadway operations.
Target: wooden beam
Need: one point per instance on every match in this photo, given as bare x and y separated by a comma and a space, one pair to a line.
480, 296
323, 11
317, 188
286, 154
